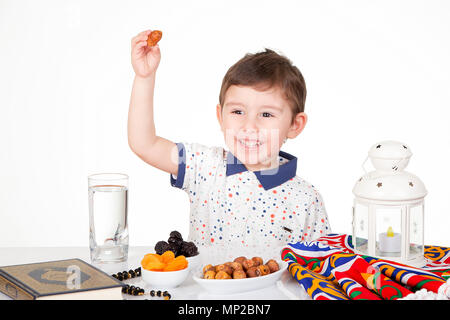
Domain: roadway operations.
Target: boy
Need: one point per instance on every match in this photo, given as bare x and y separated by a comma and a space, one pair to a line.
249, 195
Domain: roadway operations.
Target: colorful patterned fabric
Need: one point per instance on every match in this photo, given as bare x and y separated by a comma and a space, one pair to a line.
328, 269
316, 285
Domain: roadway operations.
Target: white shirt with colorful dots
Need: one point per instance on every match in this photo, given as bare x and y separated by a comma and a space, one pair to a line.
231, 205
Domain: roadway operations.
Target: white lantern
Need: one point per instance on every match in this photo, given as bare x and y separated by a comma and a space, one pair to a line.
388, 210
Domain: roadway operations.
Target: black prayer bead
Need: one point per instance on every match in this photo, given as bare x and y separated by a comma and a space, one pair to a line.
158, 293
152, 293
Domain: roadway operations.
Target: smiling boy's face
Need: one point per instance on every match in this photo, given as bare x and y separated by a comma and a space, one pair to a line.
255, 124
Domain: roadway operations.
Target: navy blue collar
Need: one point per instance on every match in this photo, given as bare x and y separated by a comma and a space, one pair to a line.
268, 178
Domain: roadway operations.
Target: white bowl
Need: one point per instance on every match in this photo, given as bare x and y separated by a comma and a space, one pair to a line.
194, 262
229, 286
164, 279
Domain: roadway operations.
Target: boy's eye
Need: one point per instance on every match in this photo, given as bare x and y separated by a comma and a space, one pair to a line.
237, 111
266, 114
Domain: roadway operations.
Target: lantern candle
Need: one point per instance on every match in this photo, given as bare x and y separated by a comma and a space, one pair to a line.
390, 241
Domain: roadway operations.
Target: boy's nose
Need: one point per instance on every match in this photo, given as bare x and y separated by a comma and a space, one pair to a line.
250, 132
250, 125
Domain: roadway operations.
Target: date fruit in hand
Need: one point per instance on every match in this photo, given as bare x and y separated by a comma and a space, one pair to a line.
154, 37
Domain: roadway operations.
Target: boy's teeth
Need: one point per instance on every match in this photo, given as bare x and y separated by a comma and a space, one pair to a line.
250, 143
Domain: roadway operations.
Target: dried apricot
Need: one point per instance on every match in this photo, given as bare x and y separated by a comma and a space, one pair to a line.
154, 37
155, 266
154, 255
164, 262
153, 261
179, 263
151, 257
167, 257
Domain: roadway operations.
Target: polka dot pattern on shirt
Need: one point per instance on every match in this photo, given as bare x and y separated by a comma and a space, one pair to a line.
236, 209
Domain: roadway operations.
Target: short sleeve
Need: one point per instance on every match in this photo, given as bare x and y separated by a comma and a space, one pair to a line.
194, 162
316, 221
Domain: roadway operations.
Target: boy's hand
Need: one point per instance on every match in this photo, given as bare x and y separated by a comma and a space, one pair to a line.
145, 60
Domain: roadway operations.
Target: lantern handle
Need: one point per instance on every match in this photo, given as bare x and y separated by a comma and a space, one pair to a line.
365, 171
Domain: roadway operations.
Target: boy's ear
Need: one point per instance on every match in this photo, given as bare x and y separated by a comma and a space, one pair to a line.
219, 115
298, 124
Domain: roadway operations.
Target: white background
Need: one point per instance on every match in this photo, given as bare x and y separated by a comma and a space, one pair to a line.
374, 70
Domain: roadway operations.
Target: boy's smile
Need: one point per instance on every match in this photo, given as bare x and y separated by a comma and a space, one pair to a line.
256, 123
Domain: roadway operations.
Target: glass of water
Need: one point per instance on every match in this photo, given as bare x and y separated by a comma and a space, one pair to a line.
108, 217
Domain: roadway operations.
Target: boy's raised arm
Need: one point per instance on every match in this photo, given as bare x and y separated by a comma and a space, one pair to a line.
142, 139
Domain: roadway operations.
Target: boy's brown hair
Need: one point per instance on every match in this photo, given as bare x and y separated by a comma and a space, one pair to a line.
264, 70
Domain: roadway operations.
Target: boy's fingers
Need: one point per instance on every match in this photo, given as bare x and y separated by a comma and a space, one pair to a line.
139, 38
141, 44
136, 39
138, 49
146, 32
143, 34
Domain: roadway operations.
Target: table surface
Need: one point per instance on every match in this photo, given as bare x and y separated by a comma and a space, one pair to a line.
285, 289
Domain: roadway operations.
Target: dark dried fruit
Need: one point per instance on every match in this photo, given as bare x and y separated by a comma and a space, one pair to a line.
175, 240
189, 249
176, 244
175, 248
161, 247
176, 234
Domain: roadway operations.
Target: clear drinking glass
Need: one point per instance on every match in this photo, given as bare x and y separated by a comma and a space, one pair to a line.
108, 217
